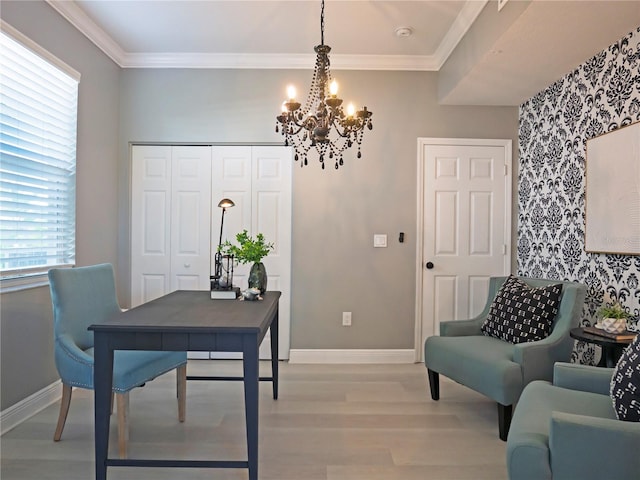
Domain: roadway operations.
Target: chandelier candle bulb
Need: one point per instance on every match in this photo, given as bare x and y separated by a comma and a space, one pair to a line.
291, 92
333, 88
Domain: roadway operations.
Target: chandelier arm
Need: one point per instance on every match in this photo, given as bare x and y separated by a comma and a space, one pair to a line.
298, 130
343, 134
307, 124
347, 130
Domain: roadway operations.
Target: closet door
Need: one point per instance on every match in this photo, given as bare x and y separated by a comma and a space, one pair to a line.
259, 181
231, 178
271, 215
190, 218
150, 222
170, 220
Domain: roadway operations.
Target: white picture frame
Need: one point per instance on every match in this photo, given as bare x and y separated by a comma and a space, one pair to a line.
612, 193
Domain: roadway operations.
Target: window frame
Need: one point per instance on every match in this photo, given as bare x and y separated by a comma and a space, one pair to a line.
32, 277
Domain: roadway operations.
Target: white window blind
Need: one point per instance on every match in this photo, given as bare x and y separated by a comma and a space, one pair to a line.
38, 122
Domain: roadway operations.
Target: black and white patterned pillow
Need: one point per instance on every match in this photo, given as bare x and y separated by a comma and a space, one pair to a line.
625, 384
521, 313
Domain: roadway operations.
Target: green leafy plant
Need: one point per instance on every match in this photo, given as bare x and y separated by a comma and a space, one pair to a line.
248, 250
613, 311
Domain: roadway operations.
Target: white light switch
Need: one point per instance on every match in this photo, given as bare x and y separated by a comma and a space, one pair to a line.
380, 240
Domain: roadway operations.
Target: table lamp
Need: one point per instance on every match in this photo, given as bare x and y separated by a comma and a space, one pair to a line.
222, 285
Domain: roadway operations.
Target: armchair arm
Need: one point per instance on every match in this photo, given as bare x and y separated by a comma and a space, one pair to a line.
537, 358
592, 447
69, 347
74, 365
461, 328
585, 378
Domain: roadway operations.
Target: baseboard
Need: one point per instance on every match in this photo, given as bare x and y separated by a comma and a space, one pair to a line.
351, 356
24, 409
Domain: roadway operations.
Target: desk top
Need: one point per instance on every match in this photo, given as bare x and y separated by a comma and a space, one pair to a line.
186, 311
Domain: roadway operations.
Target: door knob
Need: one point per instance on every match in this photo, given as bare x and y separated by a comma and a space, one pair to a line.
429, 265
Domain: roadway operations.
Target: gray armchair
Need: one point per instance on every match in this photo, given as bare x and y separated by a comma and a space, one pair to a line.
496, 368
568, 430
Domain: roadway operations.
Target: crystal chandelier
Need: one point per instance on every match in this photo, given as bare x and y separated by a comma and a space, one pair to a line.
322, 123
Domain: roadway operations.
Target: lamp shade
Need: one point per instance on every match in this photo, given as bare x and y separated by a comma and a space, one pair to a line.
226, 203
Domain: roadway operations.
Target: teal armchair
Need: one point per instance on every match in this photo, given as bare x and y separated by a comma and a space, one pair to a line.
568, 429
83, 296
498, 369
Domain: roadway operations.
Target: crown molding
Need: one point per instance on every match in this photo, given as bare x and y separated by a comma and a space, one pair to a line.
276, 61
458, 30
81, 21
384, 62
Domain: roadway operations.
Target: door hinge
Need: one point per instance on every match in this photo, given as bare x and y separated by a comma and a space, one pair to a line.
506, 170
504, 249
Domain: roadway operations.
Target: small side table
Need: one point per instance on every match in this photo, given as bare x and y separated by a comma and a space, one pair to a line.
611, 349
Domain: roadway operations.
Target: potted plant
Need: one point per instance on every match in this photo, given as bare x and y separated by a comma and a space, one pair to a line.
250, 250
613, 318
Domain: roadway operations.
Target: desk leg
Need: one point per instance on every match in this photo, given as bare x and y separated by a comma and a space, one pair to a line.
251, 400
102, 379
274, 355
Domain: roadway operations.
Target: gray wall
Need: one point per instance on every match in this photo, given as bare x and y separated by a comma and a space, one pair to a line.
26, 329
335, 214
490, 25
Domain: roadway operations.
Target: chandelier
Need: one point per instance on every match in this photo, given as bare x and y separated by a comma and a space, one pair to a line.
322, 123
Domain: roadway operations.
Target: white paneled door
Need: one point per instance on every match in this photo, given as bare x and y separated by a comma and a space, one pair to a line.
170, 220
258, 180
464, 227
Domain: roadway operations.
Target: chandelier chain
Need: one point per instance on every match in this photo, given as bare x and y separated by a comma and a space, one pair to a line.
322, 23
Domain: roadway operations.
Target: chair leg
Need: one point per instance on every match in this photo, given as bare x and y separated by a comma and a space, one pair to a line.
434, 384
122, 399
64, 409
181, 387
504, 420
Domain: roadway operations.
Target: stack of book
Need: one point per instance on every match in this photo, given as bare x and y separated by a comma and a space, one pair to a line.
623, 336
231, 294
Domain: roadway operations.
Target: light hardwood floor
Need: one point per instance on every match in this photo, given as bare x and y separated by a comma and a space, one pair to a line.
332, 422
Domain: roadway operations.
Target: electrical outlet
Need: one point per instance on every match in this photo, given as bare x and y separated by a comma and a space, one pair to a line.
346, 319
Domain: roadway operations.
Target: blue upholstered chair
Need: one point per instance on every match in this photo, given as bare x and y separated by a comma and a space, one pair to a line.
569, 430
81, 297
496, 368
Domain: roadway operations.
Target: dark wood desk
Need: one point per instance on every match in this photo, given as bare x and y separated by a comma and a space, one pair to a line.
611, 349
181, 321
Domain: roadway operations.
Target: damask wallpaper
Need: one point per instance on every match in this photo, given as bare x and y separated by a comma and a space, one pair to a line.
600, 95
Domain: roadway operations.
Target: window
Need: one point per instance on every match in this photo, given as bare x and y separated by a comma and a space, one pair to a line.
38, 120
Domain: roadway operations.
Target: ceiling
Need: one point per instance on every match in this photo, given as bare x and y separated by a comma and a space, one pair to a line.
541, 42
